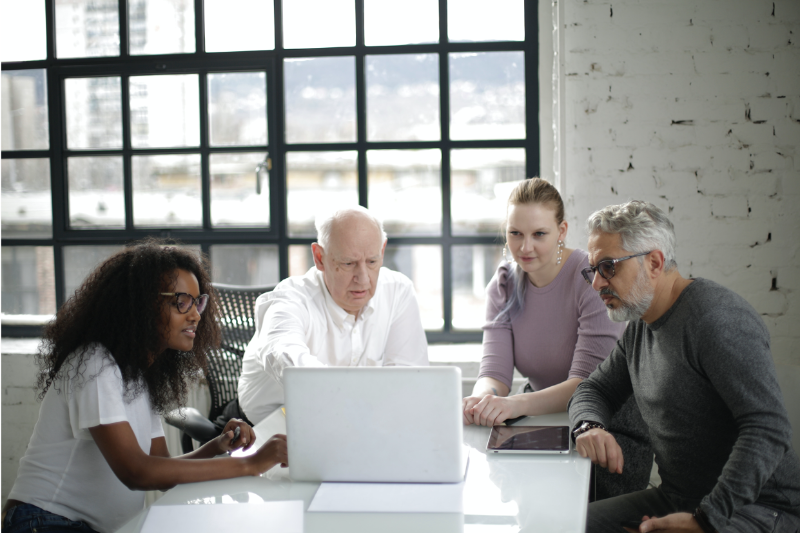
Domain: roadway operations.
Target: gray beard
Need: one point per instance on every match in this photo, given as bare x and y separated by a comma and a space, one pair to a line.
637, 303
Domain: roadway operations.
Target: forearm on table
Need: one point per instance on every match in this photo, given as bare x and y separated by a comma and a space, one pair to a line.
486, 385
550, 400
161, 473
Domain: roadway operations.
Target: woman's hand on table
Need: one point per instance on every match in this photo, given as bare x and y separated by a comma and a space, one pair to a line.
273, 452
490, 410
244, 441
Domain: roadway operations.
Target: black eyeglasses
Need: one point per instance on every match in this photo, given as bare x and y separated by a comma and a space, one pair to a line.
606, 267
184, 301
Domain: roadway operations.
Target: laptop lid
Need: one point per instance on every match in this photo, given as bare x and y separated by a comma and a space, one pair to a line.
379, 424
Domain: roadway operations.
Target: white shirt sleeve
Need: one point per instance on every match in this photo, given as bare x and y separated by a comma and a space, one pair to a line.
281, 330
406, 344
96, 396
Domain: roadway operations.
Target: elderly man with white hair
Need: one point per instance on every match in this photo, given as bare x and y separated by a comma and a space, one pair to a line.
347, 310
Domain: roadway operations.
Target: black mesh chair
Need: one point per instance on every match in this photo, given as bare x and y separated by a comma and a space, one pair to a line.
237, 322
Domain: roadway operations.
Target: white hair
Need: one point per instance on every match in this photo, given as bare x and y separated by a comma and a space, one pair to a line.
324, 224
641, 226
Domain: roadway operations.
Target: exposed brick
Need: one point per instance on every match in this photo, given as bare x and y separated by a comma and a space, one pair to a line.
769, 37
730, 62
729, 206
787, 10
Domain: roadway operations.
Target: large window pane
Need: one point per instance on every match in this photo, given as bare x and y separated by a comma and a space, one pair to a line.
319, 23
300, 259
233, 25
487, 95
166, 191
87, 28
94, 112
96, 193
503, 21
237, 108
320, 99
406, 22
27, 207
244, 264
405, 190
403, 97
80, 261
480, 182
236, 199
473, 267
318, 182
24, 101
423, 265
161, 26
23, 35
165, 111
28, 280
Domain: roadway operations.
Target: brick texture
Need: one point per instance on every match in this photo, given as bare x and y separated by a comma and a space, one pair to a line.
695, 106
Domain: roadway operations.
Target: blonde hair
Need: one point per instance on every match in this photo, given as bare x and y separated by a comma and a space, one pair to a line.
530, 191
537, 191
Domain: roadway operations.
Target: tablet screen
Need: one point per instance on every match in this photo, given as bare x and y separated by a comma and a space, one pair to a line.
529, 438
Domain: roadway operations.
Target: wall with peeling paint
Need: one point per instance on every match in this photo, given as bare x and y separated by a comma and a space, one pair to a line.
694, 105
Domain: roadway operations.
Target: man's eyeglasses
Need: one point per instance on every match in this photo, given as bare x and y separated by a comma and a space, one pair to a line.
184, 301
606, 267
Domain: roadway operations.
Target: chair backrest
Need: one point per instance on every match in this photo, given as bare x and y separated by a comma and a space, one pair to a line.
237, 314
237, 321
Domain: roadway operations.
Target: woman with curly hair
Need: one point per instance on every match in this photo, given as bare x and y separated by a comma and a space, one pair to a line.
120, 352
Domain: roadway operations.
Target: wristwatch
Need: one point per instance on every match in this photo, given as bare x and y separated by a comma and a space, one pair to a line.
585, 426
702, 520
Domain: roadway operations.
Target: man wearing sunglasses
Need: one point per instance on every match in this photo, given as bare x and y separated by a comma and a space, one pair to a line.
696, 358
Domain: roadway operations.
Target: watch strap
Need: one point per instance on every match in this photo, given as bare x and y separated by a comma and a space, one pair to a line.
702, 520
584, 426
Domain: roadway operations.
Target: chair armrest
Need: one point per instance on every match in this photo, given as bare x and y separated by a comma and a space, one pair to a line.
193, 423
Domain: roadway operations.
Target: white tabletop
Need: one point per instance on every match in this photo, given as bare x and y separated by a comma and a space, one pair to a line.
502, 492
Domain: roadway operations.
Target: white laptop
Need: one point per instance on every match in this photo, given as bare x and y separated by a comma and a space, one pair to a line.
376, 424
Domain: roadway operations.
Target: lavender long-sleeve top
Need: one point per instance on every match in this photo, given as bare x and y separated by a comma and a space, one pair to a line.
562, 332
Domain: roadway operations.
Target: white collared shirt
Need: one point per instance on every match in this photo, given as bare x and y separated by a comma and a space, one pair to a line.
299, 324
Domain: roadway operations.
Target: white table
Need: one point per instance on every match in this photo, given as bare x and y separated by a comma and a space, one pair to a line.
502, 493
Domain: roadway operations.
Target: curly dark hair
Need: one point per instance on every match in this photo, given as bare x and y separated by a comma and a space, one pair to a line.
119, 307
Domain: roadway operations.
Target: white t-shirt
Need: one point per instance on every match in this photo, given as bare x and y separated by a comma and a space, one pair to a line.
63, 470
299, 324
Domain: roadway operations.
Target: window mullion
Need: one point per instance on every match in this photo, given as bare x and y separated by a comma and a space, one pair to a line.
205, 175
532, 156
127, 152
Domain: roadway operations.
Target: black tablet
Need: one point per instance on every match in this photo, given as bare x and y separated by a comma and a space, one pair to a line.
529, 439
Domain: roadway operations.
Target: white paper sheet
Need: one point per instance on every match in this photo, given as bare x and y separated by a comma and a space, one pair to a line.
275, 517
388, 498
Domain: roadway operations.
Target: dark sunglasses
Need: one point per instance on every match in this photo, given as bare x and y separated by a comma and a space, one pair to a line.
606, 267
184, 301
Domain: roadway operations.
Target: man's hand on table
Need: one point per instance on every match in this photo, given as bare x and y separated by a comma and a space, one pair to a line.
601, 448
676, 522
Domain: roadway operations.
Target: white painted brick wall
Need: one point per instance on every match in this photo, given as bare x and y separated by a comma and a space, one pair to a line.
694, 105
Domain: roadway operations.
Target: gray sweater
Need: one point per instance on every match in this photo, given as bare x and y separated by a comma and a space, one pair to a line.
704, 380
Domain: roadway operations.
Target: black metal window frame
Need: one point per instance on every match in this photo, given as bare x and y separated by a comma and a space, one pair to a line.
271, 62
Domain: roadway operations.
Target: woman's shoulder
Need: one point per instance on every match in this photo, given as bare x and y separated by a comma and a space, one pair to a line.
92, 361
502, 278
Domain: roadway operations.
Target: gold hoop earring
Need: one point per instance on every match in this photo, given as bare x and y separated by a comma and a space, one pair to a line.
560, 251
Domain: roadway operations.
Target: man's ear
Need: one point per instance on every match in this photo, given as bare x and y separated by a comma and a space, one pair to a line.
655, 263
316, 252
383, 248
